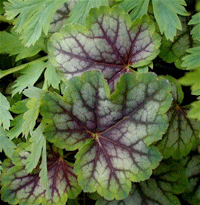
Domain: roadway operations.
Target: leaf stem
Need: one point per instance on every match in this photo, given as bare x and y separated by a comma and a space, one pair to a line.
3, 19
20, 67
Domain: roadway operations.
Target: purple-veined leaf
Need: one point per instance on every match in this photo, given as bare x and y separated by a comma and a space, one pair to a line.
192, 167
110, 43
111, 131
182, 133
167, 180
21, 187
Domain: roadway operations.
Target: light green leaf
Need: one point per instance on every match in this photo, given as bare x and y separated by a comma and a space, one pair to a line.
30, 75
51, 77
176, 50
32, 17
194, 111
5, 144
166, 15
192, 79
192, 167
196, 30
11, 44
21, 187
33, 105
5, 115
112, 132
192, 60
137, 8
167, 180
182, 133
82, 8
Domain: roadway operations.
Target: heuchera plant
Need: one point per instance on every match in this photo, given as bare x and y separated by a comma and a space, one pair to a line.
93, 102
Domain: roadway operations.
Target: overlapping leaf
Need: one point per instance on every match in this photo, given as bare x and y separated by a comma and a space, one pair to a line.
33, 17
168, 179
183, 132
23, 188
196, 30
192, 166
111, 44
176, 50
112, 132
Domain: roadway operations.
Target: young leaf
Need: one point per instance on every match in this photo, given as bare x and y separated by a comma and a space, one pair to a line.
167, 180
166, 15
82, 8
11, 44
7, 145
32, 17
112, 44
5, 115
176, 50
192, 166
112, 132
23, 188
192, 60
61, 16
183, 132
196, 30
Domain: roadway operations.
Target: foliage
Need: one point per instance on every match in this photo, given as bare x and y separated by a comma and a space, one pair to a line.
91, 107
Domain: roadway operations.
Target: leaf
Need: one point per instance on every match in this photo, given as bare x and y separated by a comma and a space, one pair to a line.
196, 30
1, 7
176, 50
5, 115
194, 111
192, 60
33, 105
81, 9
7, 145
51, 76
111, 44
111, 132
30, 74
192, 167
168, 179
183, 132
32, 17
136, 9
11, 44
61, 15
23, 188
166, 15
192, 79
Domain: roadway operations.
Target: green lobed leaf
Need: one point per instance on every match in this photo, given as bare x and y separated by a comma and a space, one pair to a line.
11, 44
192, 79
32, 17
166, 15
30, 75
111, 132
81, 9
182, 133
194, 111
111, 44
6, 144
23, 188
136, 9
192, 167
196, 30
167, 180
192, 60
5, 115
176, 50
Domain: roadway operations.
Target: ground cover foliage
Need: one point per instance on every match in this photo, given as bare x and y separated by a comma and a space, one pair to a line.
99, 102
